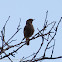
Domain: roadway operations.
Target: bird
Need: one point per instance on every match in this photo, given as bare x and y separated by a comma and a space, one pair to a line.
28, 30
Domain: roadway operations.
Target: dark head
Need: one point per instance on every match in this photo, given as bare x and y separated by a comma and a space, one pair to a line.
29, 21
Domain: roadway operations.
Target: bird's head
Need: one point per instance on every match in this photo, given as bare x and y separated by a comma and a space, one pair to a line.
29, 21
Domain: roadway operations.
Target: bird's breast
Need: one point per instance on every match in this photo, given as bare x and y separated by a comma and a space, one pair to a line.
29, 30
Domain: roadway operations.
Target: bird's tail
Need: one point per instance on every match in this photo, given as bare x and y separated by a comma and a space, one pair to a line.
27, 41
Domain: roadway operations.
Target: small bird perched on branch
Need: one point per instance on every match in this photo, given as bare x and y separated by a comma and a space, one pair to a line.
28, 30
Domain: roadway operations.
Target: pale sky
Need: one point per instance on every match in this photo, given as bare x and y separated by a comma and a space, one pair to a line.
35, 9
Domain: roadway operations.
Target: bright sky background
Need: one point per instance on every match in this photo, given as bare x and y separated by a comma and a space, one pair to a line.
35, 9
